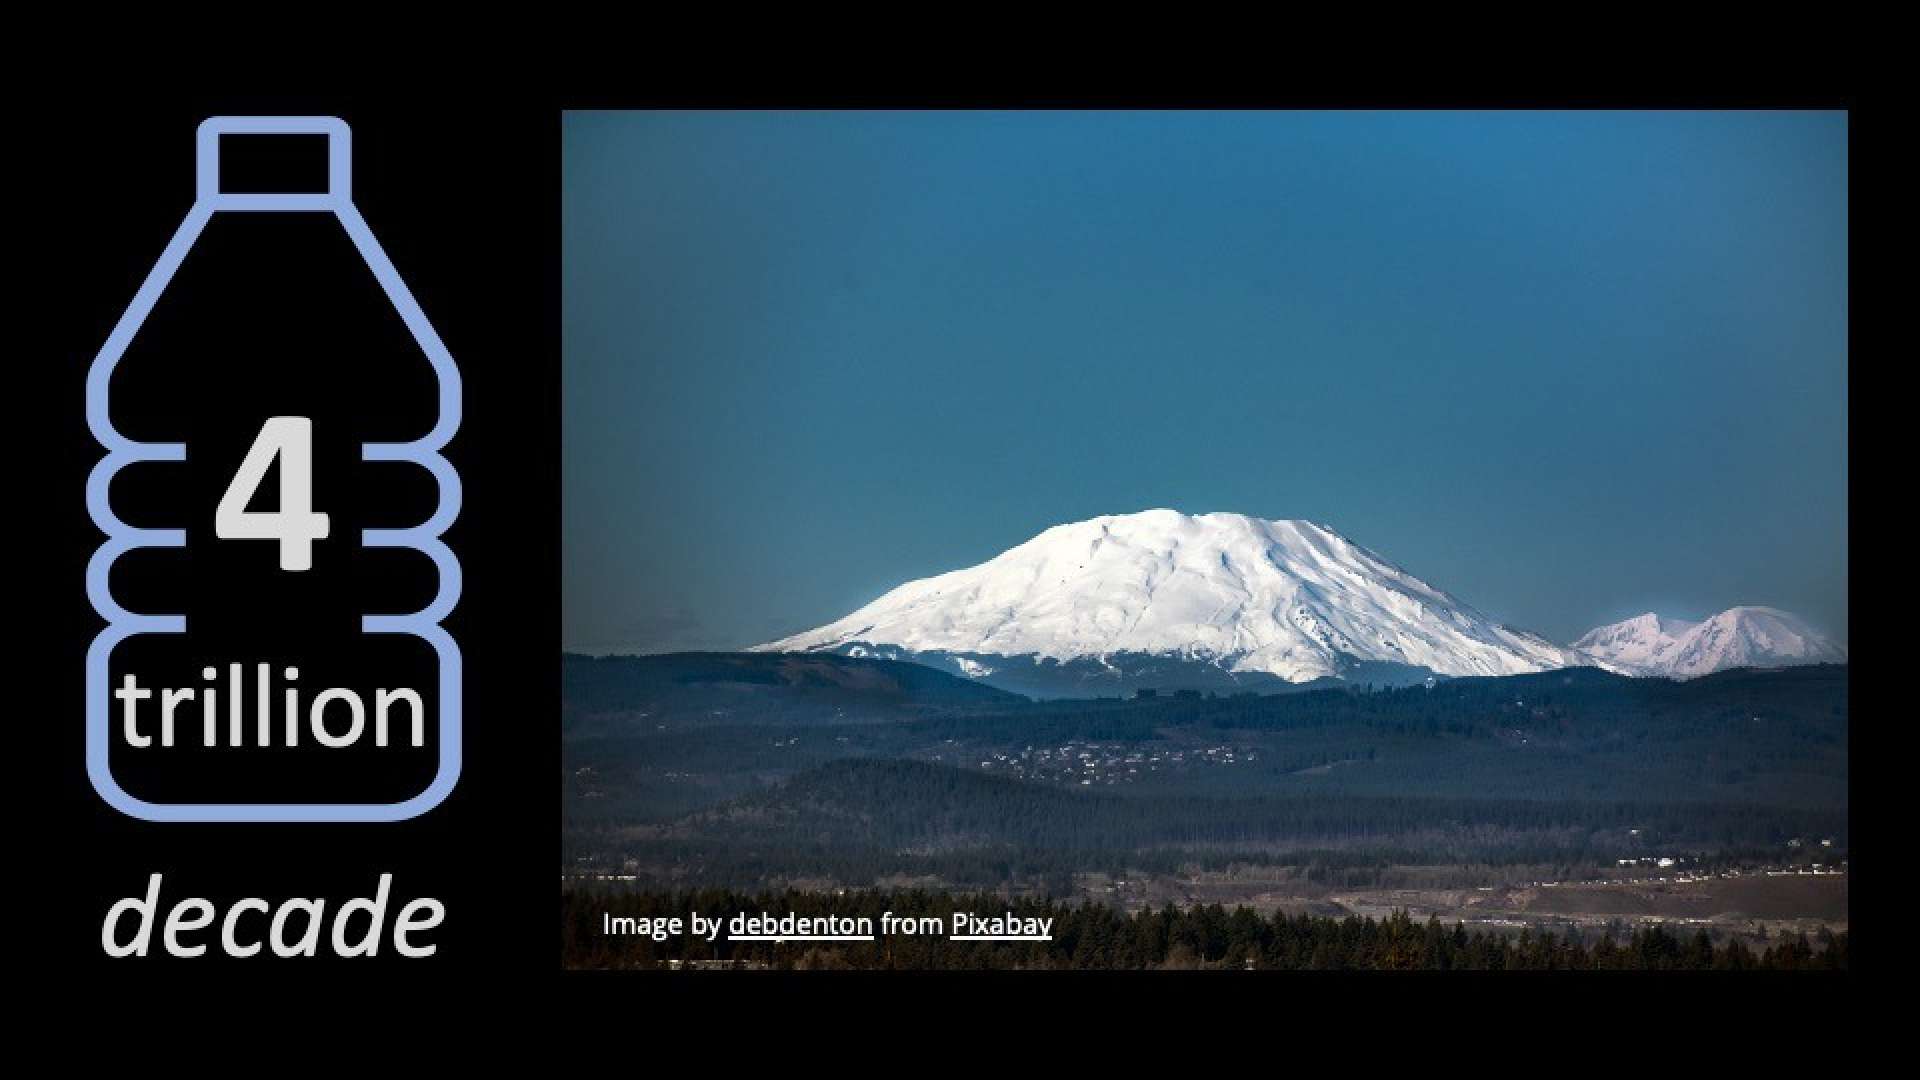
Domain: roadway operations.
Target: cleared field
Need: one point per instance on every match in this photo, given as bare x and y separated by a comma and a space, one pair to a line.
1784, 897
1750, 906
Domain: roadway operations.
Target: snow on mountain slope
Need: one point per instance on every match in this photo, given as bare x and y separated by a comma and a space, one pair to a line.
1737, 637
1290, 598
1640, 645
1751, 637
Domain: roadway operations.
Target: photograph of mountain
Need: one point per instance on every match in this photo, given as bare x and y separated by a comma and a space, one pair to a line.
1220, 540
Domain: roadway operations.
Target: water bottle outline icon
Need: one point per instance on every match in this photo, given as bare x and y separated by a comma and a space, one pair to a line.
122, 451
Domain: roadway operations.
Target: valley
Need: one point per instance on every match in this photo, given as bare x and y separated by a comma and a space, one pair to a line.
1564, 799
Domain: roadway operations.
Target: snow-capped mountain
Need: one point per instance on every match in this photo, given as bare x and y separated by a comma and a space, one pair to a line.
1639, 645
1289, 599
1737, 637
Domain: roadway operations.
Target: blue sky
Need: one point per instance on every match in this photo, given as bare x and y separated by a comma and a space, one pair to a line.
1566, 366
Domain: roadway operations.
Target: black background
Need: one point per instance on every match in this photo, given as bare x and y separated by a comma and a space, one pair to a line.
463, 193
464, 199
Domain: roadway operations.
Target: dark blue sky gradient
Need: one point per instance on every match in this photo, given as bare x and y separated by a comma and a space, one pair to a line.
1569, 367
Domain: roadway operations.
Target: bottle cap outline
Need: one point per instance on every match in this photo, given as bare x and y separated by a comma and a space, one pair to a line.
339, 162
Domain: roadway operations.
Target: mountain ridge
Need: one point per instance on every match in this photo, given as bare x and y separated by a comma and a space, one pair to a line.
1750, 636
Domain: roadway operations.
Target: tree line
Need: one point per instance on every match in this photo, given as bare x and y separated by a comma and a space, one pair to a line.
1098, 937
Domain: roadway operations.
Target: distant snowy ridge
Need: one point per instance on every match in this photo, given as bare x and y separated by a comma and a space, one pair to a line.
1737, 637
1290, 598
1638, 645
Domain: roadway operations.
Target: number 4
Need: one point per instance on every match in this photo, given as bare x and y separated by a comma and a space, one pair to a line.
295, 525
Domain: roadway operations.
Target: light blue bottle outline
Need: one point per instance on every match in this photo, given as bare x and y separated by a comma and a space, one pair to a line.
121, 452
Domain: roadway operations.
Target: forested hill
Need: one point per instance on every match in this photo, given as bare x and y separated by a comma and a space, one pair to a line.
915, 805
763, 767
1573, 708
762, 687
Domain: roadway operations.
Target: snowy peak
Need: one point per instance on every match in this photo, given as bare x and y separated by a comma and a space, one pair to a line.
1751, 637
1289, 598
1736, 637
1640, 645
